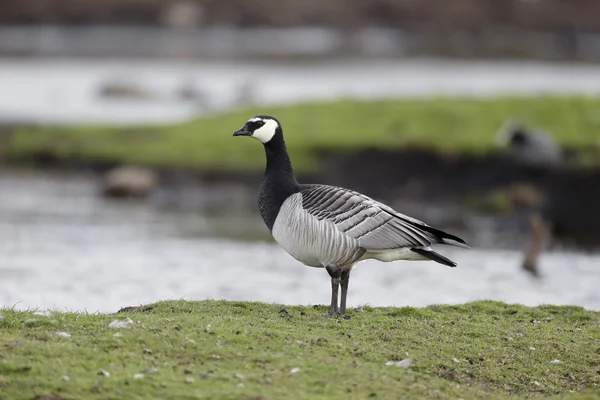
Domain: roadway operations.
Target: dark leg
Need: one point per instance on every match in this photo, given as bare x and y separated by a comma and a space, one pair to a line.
335, 285
539, 235
345, 279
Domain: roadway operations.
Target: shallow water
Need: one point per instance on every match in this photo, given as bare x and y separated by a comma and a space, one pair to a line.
61, 246
66, 90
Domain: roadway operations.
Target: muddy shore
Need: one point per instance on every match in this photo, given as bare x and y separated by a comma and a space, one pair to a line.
474, 15
549, 30
494, 185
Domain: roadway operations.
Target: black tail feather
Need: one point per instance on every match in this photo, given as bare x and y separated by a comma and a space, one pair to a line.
432, 255
441, 235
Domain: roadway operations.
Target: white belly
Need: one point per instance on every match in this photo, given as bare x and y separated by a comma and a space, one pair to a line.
393, 255
312, 242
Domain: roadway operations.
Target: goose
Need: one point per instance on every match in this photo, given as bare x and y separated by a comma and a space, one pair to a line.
530, 148
331, 227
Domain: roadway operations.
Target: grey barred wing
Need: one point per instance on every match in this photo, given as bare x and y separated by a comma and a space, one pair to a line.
375, 225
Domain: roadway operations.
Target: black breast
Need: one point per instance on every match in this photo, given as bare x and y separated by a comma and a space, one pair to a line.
272, 194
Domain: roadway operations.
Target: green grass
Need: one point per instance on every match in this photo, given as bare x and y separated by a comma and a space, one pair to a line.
235, 350
461, 125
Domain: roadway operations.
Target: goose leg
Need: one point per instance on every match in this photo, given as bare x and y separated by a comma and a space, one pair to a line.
335, 285
344, 280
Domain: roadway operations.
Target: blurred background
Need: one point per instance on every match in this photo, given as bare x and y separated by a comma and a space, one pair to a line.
120, 183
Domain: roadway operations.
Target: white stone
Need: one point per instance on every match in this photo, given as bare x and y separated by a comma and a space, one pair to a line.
44, 313
120, 324
407, 362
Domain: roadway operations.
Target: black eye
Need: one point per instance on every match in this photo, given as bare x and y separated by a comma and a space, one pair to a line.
254, 125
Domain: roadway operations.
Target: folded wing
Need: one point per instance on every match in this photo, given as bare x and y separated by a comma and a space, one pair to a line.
375, 225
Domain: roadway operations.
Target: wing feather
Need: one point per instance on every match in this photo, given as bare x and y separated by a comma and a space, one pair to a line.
375, 225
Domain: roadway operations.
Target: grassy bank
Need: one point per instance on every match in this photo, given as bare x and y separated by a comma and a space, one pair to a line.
232, 350
463, 126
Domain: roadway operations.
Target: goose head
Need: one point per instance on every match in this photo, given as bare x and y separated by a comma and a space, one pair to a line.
262, 128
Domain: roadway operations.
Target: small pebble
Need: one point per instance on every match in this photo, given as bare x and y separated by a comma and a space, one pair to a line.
407, 362
63, 334
239, 385
138, 376
536, 383
147, 351
207, 329
238, 376
189, 380
532, 348
192, 341
64, 378
455, 360
294, 371
121, 324
509, 339
103, 373
555, 362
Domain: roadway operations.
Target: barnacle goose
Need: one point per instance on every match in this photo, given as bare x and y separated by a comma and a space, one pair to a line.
331, 227
530, 148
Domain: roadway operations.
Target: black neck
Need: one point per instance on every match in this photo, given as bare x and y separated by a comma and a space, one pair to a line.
279, 182
279, 165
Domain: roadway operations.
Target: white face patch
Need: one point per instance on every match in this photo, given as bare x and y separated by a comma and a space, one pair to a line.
265, 132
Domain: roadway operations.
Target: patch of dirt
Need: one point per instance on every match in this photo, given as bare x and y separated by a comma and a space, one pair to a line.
145, 308
47, 397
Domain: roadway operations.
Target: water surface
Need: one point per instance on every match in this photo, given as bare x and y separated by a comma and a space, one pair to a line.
62, 246
66, 90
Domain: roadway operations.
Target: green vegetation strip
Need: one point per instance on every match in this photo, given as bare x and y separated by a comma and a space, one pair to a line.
455, 125
235, 350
